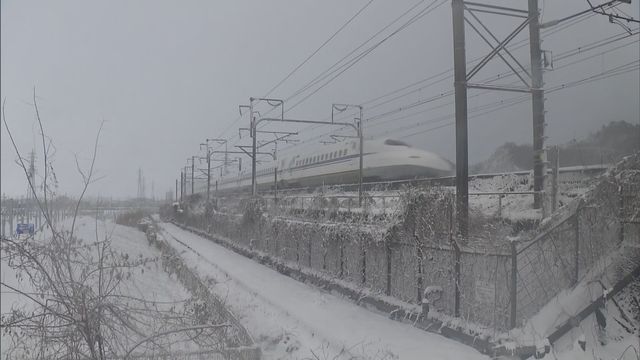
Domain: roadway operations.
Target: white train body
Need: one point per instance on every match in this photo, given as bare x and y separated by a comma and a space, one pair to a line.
383, 160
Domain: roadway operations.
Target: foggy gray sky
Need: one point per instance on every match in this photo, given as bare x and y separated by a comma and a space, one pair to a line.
165, 75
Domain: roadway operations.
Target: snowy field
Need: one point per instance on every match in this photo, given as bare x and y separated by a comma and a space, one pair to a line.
292, 320
152, 284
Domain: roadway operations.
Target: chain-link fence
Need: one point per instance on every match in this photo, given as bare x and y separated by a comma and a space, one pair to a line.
489, 278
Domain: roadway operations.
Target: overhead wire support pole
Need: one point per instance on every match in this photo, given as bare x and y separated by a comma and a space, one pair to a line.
344, 107
532, 82
462, 143
181, 186
537, 103
253, 126
185, 169
206, 143
193, 168
357, 128
222, 141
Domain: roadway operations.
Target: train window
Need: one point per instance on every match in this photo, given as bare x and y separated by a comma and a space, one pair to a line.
396, 143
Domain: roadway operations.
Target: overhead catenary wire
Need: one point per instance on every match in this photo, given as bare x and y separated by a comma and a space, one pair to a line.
386, 101
499, 105
561, 56
232, 123
376, 117
318, 49
512, 47
332, 69
417, 17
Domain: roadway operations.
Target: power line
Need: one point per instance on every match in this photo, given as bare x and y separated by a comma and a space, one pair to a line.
231, 124
512, 47
318, 49
329, 72
342, 68
323, 73
417, 17
568, 53
505, 103
496, 106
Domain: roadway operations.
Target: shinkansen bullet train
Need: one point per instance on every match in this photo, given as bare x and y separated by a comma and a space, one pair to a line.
333, 164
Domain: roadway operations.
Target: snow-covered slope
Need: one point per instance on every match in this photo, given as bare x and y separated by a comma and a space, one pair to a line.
295, 321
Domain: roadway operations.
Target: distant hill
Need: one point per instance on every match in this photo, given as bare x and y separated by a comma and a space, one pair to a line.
610, 143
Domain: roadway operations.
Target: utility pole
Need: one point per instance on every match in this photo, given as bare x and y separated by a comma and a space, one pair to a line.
181, 184
186, 169
208, 173
462, 142
530, 83
176, 193
254, 137
206, 143
360, 161
537, 103
226, 155
253, 126
360, 134
193, 169
193, 178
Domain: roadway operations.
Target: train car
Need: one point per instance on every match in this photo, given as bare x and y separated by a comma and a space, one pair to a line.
333, 164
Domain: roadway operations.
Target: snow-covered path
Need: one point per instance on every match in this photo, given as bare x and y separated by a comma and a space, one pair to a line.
291, 319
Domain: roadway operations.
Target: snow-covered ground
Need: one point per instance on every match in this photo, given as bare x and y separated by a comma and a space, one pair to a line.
152, 284
292, 320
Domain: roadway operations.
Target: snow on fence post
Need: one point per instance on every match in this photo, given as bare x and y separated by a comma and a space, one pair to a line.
513, 296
